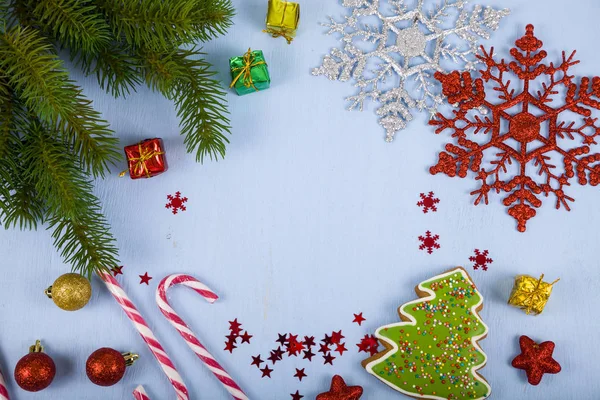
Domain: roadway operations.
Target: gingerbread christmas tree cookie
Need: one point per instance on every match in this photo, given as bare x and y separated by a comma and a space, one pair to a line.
434, 352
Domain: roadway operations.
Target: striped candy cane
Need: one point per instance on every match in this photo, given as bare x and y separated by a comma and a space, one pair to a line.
140, 394
3, 389
147, 335
186, 332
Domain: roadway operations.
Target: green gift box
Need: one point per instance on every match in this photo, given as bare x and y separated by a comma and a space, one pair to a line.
249, 73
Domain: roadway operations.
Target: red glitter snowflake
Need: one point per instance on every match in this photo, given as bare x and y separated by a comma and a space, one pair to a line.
522, 128
481, 260
429, 242
428, 202
176, 202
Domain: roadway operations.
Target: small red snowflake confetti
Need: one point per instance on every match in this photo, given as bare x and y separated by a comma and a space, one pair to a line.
176, 202
145, 278
536, 359
428, 202
117, 270
520, 127
328, 359
229, 346
481, 260
340, 391
257, 361
429, 242
300, 374
359, 319
296, 396
246, 337
266, 371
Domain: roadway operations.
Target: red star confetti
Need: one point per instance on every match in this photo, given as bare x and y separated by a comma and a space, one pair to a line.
328, 359
279, 353
324, 348
234, 327
526, 146
336, 337
326, 339
229, 346
117, 270
428, 202
368, 344
341, 348
309, 341
481, 260
273, 358
536, 359
296, 396
232, 338
359, 319
300, 374
282, 339
308, 355
257, 361
145, 278
266, 372
340, 391
429, 242
176, 202
246, 337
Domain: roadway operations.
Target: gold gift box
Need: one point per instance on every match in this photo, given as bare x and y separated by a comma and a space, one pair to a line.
282, 19
530, 294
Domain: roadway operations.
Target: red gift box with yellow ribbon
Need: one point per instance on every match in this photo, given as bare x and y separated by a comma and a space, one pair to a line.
146, 159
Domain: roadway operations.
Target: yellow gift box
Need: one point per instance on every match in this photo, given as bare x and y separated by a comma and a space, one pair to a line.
530, 294
282, 19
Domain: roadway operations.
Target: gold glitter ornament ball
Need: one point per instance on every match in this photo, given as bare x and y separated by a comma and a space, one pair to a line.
70, 292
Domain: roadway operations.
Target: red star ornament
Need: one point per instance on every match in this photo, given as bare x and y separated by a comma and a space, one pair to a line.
339, 391
536, 359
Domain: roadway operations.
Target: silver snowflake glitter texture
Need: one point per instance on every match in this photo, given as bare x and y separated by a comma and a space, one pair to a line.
412, 42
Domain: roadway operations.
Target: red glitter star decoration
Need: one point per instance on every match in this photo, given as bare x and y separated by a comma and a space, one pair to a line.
481, 260
536, 359
300, 374
266, 372
359, 319
257, 361
429, 242
513, 124
117, 270
296, 396
246, 337
340, 391
176, 202
428, 202
145, 279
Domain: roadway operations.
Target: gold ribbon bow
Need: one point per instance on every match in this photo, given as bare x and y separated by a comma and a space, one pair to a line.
531, 294
245, 71
145, 155
284, 32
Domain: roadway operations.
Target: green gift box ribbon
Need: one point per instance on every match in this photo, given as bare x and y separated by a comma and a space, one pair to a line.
282, 19
249, 73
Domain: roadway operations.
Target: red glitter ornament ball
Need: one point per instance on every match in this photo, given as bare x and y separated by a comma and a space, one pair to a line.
35, 371
105, 367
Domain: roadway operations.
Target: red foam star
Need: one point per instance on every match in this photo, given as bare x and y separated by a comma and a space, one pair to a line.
359, 319
246, 337
328, 359
234, 327
296, 396
339, 391
336, 337
300, 374
536, 359
145, 279
257, 361
117, 270
229, 346
266, 371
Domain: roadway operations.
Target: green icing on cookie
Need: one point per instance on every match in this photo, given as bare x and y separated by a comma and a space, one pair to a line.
435, 355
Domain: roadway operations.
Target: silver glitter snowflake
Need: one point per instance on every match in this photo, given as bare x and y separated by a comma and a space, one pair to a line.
409, 42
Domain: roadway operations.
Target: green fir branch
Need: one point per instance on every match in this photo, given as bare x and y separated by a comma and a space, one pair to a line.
39, 78
181, 76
